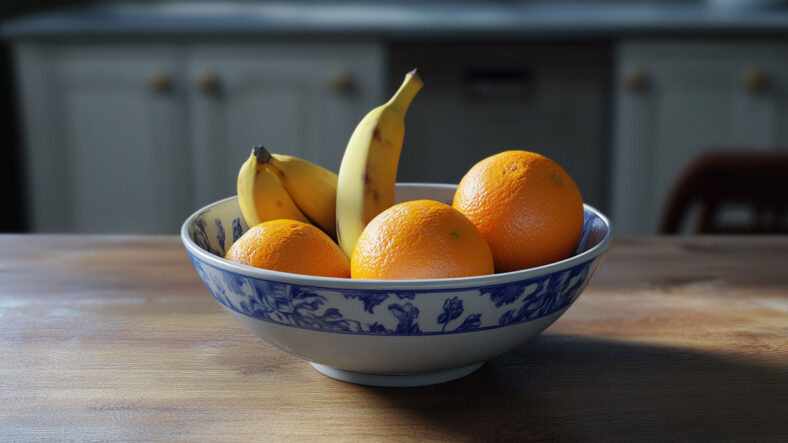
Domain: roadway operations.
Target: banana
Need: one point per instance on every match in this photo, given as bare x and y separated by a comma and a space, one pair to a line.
262, 196
313, 188
368, 172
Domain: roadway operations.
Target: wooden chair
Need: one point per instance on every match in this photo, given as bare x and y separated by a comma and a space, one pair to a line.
756, 179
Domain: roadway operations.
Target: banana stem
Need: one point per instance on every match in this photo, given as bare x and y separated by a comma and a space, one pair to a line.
406, 92
261, 154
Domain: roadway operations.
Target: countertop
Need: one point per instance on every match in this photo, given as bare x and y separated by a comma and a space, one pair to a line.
403, 20
116, 338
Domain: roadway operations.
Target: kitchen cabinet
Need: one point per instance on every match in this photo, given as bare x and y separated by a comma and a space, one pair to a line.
675, 100
303, 100
481, 99
105, 138
131, 138
124, 137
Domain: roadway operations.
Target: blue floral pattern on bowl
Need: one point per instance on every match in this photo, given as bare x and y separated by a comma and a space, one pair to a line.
386, 312
405, 312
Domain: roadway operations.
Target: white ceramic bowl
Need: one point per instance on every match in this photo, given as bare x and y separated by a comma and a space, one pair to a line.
395, 332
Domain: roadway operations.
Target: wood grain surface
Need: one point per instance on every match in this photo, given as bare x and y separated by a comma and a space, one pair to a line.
116, 338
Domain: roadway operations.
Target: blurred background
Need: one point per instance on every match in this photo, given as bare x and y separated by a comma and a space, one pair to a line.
125, 117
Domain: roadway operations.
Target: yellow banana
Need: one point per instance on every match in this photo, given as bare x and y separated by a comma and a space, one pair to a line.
368, 172
313, 188
262, 196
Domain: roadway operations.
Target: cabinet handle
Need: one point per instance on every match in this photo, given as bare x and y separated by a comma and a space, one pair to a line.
756, 80
160, 83
208, 83
637, 80
343, 82
499, 83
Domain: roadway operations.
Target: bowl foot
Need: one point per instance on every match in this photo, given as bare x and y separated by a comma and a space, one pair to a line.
397, 380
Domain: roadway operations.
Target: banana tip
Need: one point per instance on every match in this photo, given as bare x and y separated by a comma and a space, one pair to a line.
261, 154
415, 72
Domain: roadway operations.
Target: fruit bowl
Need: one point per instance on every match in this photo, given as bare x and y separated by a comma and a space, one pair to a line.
390, 332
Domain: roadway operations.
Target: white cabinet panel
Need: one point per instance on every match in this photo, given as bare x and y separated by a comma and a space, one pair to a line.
282, 96
105, 150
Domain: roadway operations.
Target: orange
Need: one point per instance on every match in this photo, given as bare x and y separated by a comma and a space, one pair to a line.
526, 206
290, 246
420, 239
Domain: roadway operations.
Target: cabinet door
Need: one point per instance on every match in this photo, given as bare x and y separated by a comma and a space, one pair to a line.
677, 100
302, 100
104, 139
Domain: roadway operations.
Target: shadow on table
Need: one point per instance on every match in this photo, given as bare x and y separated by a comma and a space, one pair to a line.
568, 388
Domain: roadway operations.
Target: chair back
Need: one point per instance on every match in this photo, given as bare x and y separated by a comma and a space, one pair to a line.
715, 179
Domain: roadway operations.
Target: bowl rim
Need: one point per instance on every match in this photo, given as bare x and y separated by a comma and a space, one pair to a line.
431, 284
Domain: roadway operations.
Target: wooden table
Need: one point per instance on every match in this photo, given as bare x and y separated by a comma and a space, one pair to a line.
116, 338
